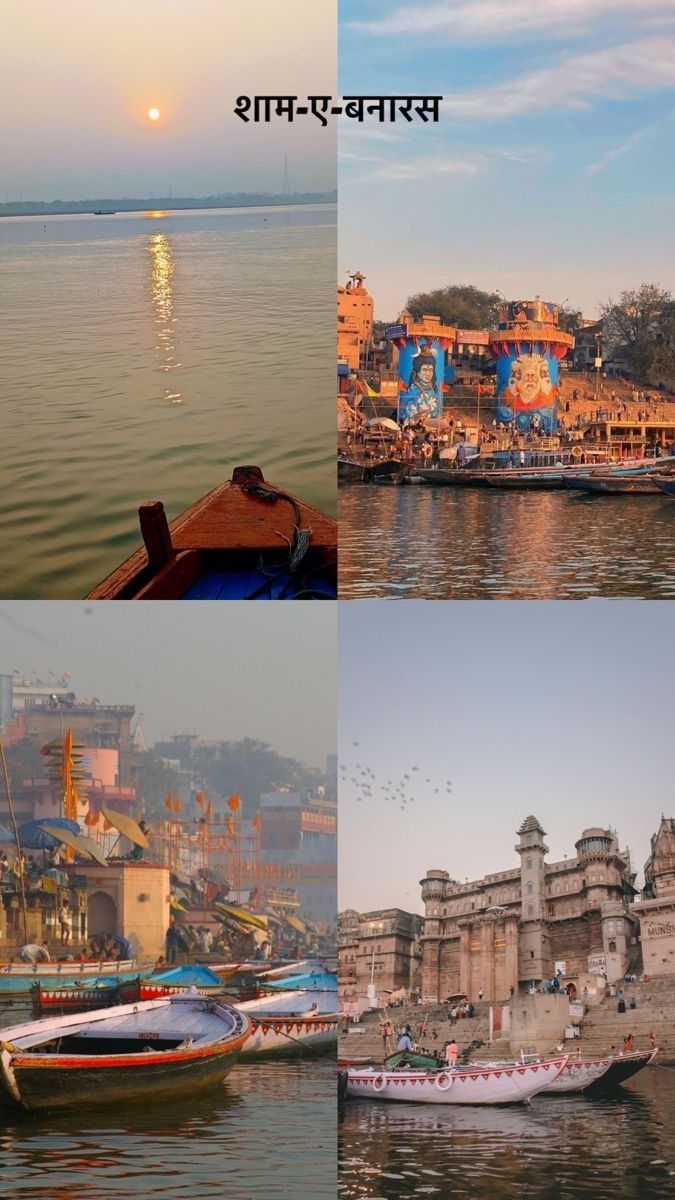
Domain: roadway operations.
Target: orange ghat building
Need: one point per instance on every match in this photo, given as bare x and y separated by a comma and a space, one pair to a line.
355, 312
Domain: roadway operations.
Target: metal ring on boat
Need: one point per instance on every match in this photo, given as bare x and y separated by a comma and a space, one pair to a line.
379, 1083
427, 450
443, 1082
576, 452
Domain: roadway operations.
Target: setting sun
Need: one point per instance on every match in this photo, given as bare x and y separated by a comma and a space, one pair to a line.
154, 114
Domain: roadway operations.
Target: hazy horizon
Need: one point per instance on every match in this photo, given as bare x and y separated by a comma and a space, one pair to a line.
223, 670
80, 81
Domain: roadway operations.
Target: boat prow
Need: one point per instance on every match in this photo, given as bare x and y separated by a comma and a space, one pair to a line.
245, 540
170, 1047
623, 1067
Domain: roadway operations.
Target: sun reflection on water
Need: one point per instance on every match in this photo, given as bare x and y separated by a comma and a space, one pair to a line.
162, 269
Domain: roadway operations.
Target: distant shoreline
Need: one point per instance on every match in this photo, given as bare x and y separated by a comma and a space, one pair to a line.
55, 208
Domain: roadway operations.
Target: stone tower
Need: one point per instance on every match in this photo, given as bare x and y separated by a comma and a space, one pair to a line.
534, 957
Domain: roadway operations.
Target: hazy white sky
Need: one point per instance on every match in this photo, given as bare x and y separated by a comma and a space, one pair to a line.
560, 709
77, 79
223, 670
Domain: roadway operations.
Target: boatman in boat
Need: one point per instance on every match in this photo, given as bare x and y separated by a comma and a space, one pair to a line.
405, 1041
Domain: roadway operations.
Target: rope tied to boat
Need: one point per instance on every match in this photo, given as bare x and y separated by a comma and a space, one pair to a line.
298, 543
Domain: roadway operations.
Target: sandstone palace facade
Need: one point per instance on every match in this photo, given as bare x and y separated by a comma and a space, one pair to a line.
519, 927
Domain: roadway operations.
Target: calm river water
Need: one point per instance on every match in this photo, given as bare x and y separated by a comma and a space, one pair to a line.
570, 1148
268, 1134
465, 544
144, 355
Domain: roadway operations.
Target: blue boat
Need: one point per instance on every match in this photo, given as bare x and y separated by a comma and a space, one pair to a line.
316, 982
665, 483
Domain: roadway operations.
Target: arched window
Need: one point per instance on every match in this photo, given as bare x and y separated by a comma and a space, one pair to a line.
612, 947
530, 889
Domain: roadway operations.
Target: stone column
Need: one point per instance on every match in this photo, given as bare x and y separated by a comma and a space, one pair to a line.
465, 958
487, 958
511, 936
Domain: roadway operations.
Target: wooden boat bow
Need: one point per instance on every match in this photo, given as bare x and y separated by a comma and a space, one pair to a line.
242, 521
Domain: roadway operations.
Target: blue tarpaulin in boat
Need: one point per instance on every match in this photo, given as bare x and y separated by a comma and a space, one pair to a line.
189, 976
257, 585
312, 983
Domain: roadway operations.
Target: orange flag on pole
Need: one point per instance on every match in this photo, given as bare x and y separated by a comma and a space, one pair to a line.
233, 802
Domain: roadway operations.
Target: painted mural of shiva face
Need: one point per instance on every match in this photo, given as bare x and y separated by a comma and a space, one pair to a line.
421, 400
530, 383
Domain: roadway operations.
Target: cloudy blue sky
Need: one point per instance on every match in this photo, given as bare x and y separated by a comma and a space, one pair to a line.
551, 170
557, 709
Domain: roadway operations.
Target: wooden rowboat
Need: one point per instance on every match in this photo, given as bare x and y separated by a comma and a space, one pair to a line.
665, 483
69, 970
245, 540
19, 979
623, 1067
77, 997
578, 1075
511, 1083
144, 1051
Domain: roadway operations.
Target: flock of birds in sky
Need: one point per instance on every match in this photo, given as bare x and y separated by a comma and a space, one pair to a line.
406, 790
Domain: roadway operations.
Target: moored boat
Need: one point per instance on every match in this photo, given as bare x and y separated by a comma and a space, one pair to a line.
245, 540
172, 983
623, 1067
613, 485
79, 970
170, 1047
665, 483
18, 979
578, 1074
368, 470
508, 1084
76, 997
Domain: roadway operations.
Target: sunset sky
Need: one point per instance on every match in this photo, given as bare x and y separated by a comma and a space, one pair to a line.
77, 81
551, 170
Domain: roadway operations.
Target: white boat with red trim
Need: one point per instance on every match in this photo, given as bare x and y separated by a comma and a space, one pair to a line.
508, 1084
578, 1074
169, 1047
291, 1022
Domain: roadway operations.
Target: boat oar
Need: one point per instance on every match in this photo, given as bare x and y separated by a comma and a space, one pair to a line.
302, 1045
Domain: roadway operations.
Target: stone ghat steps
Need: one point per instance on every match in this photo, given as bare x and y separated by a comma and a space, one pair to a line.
603, 1029
471, 1033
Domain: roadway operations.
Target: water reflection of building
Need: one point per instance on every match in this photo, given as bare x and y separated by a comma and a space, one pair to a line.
515, 927
162, 270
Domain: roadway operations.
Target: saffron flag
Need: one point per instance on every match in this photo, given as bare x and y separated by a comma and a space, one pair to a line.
233, 802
